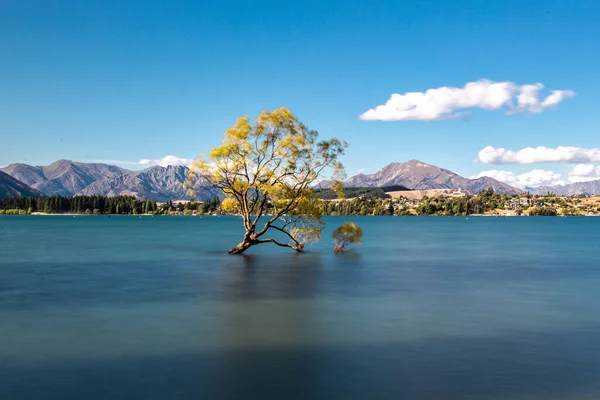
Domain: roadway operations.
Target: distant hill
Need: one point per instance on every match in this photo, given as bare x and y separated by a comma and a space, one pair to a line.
63, 177
418, 175
68, 178
156, 183
571, 189
11, 187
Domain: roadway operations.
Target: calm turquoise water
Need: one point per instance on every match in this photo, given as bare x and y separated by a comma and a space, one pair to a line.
427, 308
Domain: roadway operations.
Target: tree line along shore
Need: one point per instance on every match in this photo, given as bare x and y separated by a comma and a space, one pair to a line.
365, 201
106, 205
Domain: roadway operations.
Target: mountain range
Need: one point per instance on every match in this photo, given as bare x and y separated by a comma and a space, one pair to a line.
418, 175
68, 178
571, 189
11, 187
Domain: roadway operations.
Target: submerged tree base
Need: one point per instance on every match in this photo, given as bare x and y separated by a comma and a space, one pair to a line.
242, 247
246, 244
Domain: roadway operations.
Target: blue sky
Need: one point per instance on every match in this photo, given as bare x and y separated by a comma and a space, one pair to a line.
125, 81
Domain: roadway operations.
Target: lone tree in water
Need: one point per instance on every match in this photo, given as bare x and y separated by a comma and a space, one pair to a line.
345, 235
270, 168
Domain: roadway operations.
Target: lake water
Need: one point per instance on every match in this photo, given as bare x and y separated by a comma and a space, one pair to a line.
94, 307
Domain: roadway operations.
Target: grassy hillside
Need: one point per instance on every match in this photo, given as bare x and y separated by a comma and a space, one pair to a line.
368, 192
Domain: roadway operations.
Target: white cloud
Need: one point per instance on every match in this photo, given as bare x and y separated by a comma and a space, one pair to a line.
541, 177
528, 98
541, 154
556, 97
441, 103
167, 160
536, 177
584, 173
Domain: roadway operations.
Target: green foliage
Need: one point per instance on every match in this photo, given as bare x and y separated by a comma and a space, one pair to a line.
359, 206
105, 205
345, 235
365, 192
404, 212
542, 211
13, 212
77, 204
570, 211
485, 201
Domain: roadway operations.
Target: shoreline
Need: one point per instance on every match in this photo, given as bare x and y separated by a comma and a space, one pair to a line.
237, 215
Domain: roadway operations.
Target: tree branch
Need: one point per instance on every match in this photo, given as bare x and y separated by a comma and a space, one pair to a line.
278, 243
287, 233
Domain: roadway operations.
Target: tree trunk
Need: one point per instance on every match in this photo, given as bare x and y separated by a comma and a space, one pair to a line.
243, 246
249, 240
